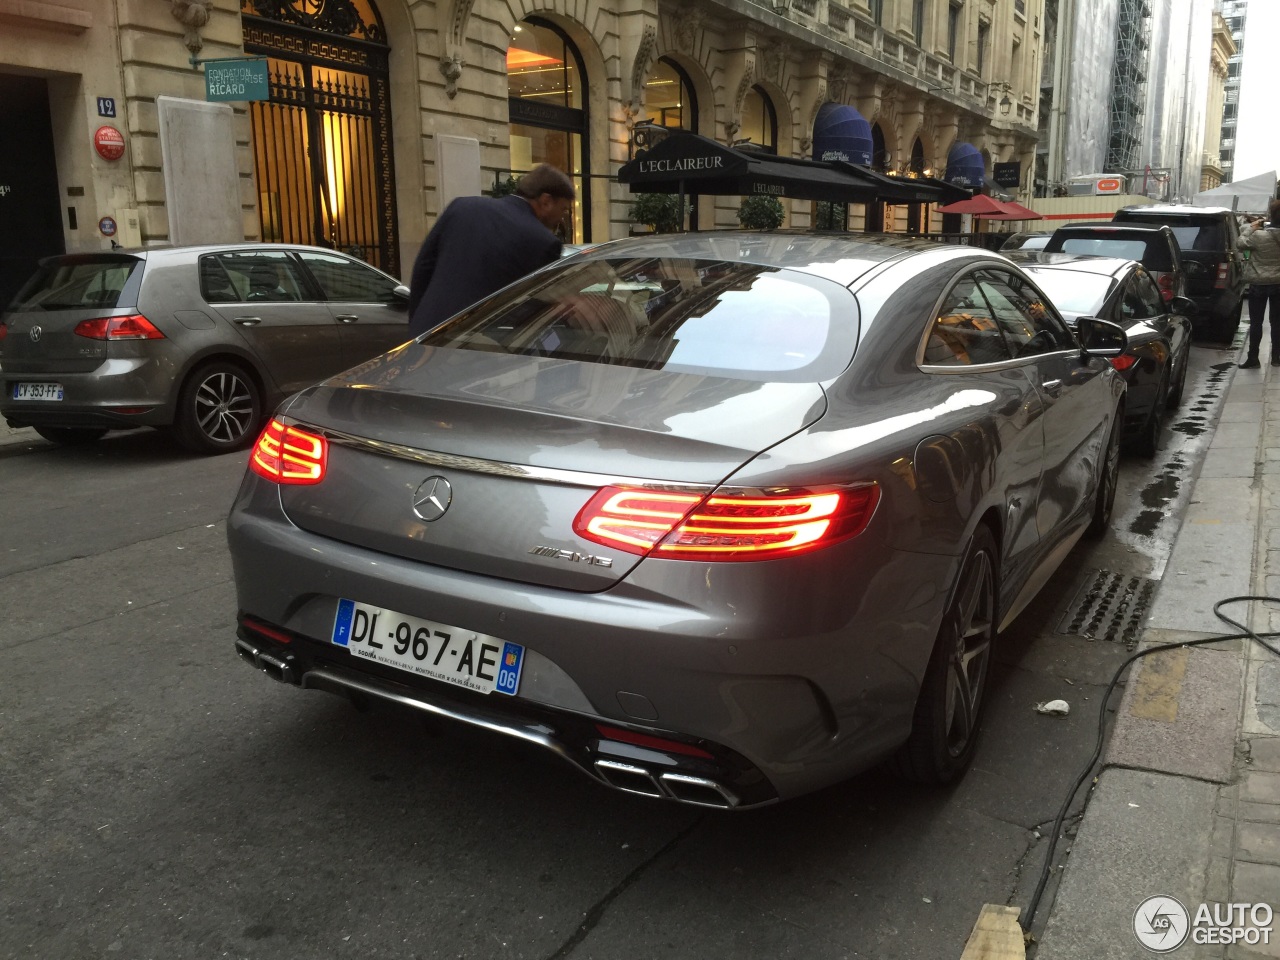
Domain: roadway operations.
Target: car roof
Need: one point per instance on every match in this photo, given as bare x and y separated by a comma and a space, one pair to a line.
1112, 227
840, 257
1083, 262
1181, 209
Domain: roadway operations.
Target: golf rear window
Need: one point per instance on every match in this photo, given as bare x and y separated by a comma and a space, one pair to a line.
737, 320
79, 284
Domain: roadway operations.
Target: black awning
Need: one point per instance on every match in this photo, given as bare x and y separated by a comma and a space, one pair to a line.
701, 166
895, 189
951, 192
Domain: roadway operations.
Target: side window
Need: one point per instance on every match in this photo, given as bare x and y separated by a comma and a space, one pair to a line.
1027, 322
346, 281
1146, 289
1132, 306
251, 277
964, 332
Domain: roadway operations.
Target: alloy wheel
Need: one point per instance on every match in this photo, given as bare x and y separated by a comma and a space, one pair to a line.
972, 625
224, 407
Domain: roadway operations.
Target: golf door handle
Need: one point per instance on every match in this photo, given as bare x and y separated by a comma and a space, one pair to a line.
347, 318
248, 321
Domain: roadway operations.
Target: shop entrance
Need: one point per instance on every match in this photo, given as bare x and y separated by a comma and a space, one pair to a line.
30, 211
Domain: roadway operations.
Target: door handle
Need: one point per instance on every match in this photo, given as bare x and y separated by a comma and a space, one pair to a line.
248, 321
346, 318
1052, 387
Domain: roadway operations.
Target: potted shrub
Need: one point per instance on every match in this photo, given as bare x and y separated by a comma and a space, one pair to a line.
760, 213
503, 188
659, 211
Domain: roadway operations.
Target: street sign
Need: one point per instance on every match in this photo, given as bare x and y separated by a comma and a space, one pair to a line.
109, 142
1007, 174
107, 226
106, 106
236, 78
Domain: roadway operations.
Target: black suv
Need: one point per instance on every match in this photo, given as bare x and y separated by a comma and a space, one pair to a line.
1207, 236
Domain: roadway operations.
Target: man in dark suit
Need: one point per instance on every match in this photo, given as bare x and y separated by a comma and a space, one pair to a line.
481, 244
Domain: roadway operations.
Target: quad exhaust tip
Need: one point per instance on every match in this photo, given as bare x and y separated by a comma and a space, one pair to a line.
275, 668
698, 791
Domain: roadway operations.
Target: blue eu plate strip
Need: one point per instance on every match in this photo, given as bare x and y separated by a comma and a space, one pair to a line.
342, 623
509, 669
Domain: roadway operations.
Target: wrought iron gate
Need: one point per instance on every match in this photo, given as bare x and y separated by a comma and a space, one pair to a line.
322, 143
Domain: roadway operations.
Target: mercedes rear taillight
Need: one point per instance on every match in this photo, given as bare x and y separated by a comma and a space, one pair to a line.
136, 327
724, 525
289, 455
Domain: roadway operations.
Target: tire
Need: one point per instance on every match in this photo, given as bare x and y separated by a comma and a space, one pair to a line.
948, 715
1175, 393
1108, 479
72, 436
219, 409
1147, 443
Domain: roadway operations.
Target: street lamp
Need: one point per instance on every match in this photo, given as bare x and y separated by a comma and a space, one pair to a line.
1005, 104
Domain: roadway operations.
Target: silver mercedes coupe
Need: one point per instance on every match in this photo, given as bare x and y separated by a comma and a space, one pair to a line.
718, 518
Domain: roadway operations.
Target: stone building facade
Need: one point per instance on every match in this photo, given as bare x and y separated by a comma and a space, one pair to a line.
381, 110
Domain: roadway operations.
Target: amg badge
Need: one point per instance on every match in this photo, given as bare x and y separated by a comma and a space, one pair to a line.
572, 556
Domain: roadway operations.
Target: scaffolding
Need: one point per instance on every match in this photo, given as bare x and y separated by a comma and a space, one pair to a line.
1128, 85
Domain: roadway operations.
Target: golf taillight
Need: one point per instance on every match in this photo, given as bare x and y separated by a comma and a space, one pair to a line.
1124, 361
289, 455
1220, 282
136, 327
723, 525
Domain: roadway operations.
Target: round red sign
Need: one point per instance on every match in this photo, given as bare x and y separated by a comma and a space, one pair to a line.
109, 142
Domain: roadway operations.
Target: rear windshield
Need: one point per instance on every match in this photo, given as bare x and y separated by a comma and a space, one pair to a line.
1193, 235
76, 285
1152, 253
737, 320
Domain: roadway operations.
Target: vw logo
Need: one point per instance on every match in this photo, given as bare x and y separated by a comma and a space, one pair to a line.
432, 498
36, 331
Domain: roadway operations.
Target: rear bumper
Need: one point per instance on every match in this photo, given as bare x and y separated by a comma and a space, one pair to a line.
118, 394
723, 779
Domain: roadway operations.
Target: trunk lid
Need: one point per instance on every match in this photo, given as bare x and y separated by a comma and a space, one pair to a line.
523, 443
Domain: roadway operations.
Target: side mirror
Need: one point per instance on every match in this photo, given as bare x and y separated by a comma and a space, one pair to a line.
1101, 338
399, 295
1185, 306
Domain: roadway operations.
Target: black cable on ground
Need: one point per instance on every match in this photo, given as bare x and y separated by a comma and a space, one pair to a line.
1047, 870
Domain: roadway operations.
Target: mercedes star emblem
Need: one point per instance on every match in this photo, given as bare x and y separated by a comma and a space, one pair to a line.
432, 498
35, 333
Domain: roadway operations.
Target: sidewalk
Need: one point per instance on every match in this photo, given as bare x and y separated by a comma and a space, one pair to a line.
1188, 801
21, 435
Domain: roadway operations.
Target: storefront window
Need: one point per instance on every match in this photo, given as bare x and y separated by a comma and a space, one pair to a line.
669, 97
546, 99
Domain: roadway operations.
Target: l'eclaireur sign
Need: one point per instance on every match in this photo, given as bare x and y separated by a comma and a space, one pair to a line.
681, 165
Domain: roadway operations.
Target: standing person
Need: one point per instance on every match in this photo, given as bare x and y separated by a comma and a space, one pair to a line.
481, 244
1263, 273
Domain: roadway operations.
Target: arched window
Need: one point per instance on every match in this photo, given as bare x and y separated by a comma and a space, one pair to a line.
917, 164
879, 155
546, 102
322, 142
759, 120
669, 98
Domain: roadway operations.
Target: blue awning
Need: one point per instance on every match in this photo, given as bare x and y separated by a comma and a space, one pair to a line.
965, 166
841, 133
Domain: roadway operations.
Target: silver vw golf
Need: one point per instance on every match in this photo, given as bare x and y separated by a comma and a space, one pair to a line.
721, 519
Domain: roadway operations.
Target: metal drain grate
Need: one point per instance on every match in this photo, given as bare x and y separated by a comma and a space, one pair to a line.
1110, 606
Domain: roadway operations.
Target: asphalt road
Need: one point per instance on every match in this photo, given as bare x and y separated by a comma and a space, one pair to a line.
158, 799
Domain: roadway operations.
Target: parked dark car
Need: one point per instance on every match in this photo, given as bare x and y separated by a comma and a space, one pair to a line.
203, 340
715, 518
1155, 247
1155, 363
1030, 240
1207, 239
